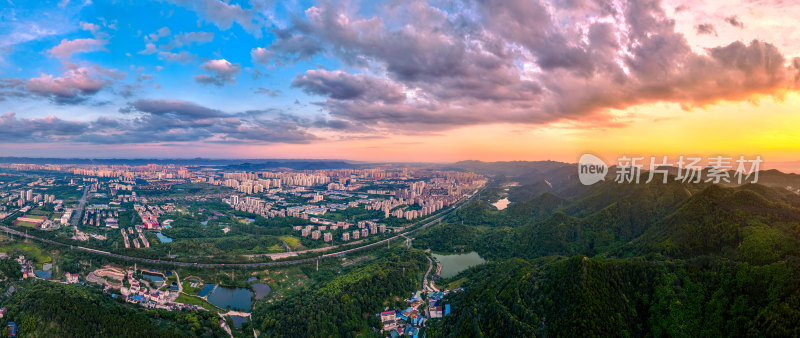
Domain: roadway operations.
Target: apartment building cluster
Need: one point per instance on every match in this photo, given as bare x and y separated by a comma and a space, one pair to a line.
139, 239
418, 199
150, 213
98, 215
29, 197
126, 173
327, 229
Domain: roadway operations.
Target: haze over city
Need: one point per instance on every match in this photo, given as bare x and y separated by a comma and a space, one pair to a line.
398, 81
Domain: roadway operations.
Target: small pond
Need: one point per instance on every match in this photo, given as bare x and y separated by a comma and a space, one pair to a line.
163, 238
453, 264
236, 298
261, 290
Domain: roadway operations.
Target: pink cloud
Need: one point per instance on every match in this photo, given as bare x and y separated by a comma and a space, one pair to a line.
87, 26
66, 48
223, 71
73, 83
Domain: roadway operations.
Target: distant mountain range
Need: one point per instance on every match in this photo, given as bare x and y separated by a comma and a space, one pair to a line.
235, 164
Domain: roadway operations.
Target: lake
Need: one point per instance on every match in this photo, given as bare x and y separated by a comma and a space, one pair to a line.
238, 320
261, 290
42, 274
501, 204
206, 290
157, 279
237, 298
162, 238
453, 264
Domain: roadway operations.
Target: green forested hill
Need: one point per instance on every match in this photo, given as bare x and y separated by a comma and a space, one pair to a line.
346, 305
48, 309
632, 260
583, 297
725, 221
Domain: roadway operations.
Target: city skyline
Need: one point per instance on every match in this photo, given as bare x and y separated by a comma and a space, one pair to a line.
424, 82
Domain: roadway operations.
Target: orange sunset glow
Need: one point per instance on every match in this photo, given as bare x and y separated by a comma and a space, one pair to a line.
648, 78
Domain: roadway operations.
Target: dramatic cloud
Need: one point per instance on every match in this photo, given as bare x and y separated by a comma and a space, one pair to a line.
381, 68
176, 108
176, 120
11, 88
734, 21
287, 48
260, 55
222, 70
516, 62
224, 15
705, 28
66, 48
156, 121
50, 128
74, 85
342, 86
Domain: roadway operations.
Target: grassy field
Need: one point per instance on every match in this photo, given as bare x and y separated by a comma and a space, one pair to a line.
27, 224
29, 250
188, 289
186, 299
456, 283
291, 240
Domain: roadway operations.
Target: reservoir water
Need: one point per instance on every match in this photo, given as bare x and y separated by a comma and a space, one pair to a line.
453, 264
237, 298
206, 290
42, 274
155, 278
501, 204
162, 238
238, 320
261, 290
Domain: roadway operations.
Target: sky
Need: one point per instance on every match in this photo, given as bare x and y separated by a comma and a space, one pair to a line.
426, 81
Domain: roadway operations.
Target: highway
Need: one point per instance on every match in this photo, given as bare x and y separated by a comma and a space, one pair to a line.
79, 212
438, 219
